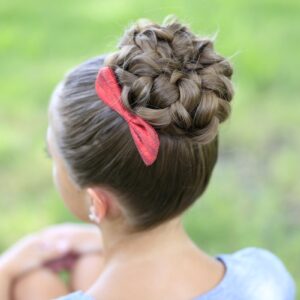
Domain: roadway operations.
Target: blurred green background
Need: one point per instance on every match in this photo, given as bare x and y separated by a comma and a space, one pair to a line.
254, 195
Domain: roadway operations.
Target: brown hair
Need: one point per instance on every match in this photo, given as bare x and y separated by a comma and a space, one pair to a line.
175, 81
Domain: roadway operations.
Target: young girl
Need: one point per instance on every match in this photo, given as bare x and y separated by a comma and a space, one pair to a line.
134, 140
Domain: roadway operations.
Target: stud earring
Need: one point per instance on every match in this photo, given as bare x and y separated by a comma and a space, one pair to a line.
93, 215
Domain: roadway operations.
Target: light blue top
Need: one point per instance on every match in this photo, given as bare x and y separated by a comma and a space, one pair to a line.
251, 274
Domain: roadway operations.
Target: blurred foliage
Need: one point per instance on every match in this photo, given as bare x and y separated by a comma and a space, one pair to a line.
254, 195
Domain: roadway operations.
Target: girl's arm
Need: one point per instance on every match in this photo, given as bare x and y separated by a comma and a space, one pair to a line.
31, 252
26, 288
4, 283
41, 283
26, 255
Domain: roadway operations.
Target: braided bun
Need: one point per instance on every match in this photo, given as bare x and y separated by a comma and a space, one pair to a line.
173, 79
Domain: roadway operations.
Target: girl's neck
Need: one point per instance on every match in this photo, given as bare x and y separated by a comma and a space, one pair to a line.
170, 237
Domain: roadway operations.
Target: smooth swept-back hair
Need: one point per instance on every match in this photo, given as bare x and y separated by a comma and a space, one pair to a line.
174, 80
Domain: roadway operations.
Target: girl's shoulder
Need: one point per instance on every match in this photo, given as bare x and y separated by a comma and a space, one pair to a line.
252, 274
258, 261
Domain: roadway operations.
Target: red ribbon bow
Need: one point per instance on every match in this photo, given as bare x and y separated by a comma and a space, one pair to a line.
144, 135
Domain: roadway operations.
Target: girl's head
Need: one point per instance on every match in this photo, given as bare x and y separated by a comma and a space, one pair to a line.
175, 81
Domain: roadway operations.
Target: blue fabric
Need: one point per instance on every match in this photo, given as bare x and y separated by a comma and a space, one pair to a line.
79, 295
251, 274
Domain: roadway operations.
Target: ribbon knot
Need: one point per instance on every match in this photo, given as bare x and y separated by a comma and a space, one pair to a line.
144, 135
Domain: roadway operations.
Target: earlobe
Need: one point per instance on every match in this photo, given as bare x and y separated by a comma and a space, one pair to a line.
93, 215
98, 206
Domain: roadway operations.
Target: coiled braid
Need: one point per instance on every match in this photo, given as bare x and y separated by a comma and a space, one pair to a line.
173, 79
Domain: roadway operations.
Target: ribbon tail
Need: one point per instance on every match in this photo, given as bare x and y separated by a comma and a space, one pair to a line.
146, 140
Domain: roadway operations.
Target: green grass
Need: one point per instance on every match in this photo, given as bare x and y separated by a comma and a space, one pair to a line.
254, 195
